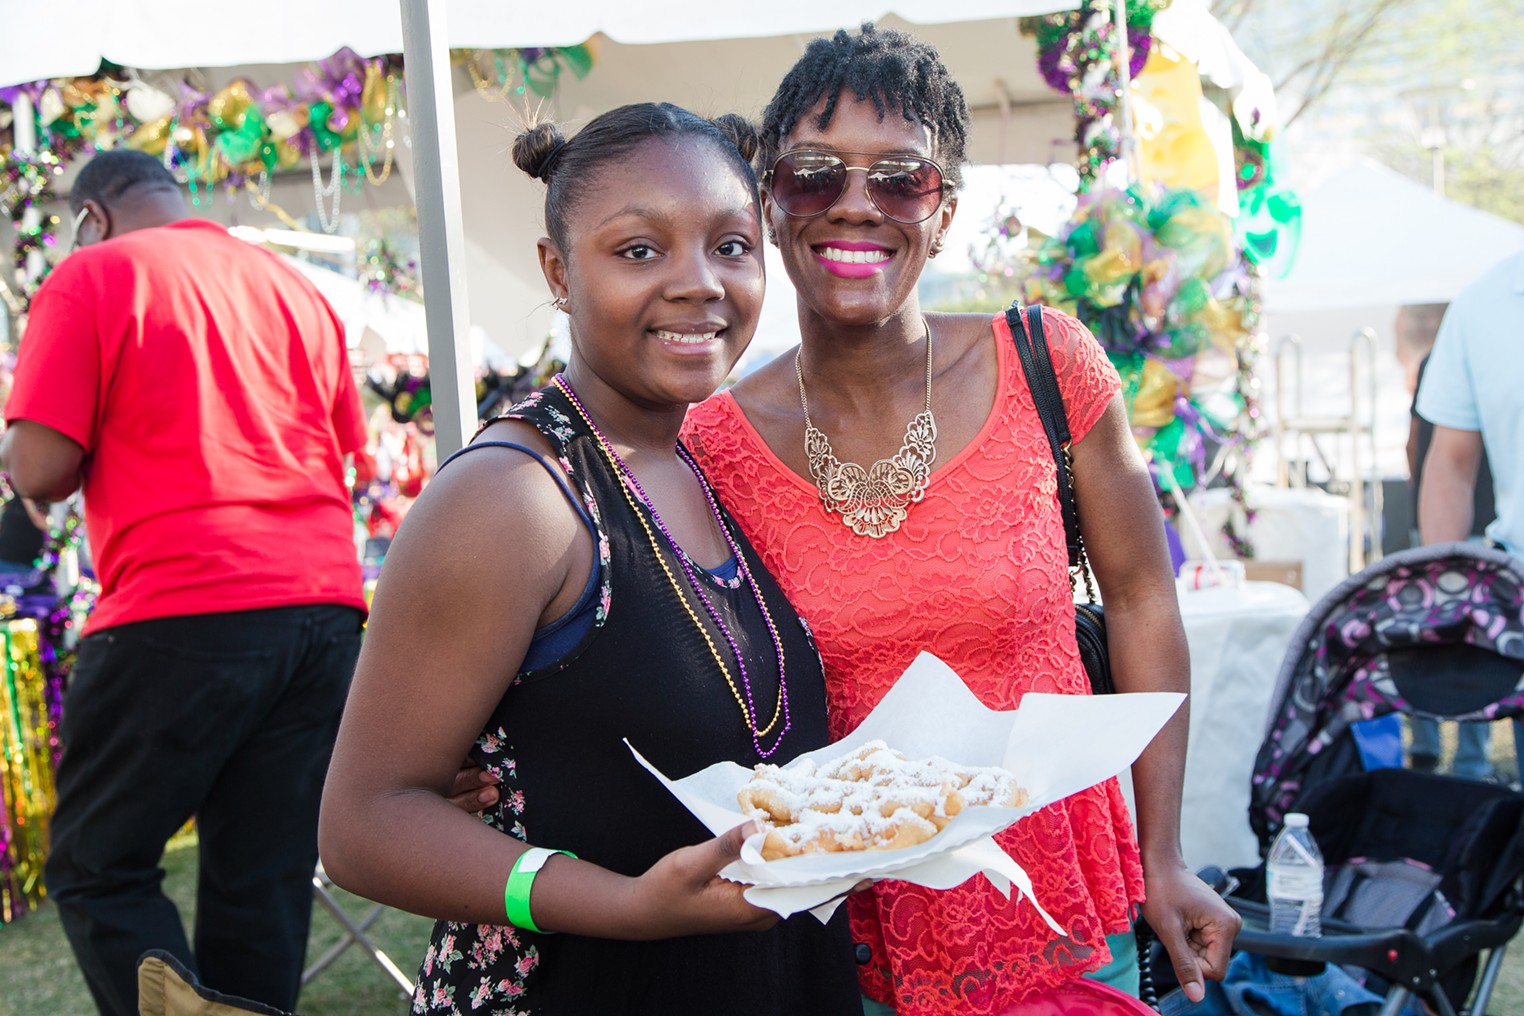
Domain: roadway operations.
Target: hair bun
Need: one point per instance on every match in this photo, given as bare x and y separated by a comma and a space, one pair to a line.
534, 151
740, 132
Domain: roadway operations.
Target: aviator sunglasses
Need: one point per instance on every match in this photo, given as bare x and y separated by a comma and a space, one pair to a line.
906, 188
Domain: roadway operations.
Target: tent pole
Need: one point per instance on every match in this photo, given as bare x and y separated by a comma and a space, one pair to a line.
441, 231
1122, 53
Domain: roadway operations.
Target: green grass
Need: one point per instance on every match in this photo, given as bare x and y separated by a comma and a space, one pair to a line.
38, 976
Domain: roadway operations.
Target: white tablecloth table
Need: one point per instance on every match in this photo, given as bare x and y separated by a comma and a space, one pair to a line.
1304, 525
1238, 638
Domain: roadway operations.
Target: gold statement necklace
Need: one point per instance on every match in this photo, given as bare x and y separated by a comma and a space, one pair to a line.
873, 501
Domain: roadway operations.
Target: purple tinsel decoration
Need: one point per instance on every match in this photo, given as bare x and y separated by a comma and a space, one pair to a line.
338, 81
1058, 68
31, 89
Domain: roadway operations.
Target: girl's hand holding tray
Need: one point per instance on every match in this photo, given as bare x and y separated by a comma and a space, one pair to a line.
1052, 745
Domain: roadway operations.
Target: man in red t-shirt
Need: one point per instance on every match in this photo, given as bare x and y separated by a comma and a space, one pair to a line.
198, 392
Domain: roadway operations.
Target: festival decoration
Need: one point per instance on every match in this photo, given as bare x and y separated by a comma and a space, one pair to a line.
1076, 55
1177, 145
387, 270
1157, 276
409, 396
26, 182
498, 73
240, 133
38, 632
1269, 223
343, 111
73, 114
28, 740
1251, 349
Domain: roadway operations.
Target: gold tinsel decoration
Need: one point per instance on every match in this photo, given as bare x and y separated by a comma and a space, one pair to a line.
27, 739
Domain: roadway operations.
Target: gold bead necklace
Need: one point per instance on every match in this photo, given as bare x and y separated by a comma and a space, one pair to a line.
627, 481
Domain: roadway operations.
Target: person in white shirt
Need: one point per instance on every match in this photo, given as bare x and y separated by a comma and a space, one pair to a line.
1473, 393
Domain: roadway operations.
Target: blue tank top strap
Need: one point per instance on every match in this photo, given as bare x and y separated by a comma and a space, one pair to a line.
565, 633
555, 474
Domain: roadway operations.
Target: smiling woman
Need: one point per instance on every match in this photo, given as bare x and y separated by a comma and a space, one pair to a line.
571, 582
949, 539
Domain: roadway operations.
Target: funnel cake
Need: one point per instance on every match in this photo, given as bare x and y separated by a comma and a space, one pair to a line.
873, 798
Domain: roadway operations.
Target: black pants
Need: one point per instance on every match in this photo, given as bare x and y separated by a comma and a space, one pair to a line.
226, 717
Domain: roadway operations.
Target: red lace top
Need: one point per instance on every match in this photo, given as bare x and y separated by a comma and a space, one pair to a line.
977, 575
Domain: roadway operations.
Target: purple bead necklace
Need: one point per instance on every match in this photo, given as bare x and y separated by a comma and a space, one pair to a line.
632, 483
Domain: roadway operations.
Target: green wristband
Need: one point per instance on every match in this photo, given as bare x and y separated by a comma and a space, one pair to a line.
521, 880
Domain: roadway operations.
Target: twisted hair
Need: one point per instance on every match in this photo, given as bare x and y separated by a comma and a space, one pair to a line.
568, 166
108, 176
898, 72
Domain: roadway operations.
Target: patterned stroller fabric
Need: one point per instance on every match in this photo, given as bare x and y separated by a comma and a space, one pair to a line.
1461, 599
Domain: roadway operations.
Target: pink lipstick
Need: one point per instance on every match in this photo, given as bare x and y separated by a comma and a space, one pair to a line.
852, 260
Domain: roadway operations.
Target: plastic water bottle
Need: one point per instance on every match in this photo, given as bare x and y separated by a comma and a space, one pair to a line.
1294, 872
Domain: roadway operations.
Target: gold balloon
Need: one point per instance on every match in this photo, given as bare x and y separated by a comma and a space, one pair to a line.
151, 137
196, 151
1154, 404
228, 106
191, 140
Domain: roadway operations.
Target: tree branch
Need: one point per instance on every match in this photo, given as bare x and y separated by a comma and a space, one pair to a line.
1347, 37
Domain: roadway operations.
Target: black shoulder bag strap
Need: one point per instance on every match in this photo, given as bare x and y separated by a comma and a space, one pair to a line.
1043, 383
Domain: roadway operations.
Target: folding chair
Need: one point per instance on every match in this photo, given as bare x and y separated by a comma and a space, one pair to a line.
354, 934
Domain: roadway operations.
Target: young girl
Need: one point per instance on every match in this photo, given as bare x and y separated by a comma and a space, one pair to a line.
570, 581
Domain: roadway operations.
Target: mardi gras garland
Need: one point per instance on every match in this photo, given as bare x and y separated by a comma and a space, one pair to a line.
389, 271
37, 636
346, 102
1075, 57
26, 183
1158, 277
498, 73
343, 110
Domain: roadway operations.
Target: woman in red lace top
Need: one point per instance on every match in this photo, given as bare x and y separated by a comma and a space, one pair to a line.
944, 533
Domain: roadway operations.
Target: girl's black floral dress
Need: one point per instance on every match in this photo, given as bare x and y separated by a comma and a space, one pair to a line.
556, 741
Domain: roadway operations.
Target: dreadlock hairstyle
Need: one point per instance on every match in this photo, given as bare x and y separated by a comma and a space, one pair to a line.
110, 175
898, 72
568, 167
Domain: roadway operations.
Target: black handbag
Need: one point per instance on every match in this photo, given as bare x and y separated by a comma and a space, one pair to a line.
1089, 619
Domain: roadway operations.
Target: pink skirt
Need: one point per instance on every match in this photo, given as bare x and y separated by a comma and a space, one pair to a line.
1081, 997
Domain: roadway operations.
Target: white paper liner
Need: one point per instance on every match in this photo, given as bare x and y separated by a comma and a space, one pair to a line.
1055, 745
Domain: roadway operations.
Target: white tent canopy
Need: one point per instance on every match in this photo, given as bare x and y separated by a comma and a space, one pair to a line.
162, 34
1372, 241
1372, 237
710, 58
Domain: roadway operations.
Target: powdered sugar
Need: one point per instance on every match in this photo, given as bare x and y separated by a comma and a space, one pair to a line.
872, 798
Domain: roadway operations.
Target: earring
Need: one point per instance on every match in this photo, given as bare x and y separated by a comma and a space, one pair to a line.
936, 247
772, 236
560, 302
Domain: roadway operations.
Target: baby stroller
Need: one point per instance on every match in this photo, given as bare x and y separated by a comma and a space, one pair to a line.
1423, 872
